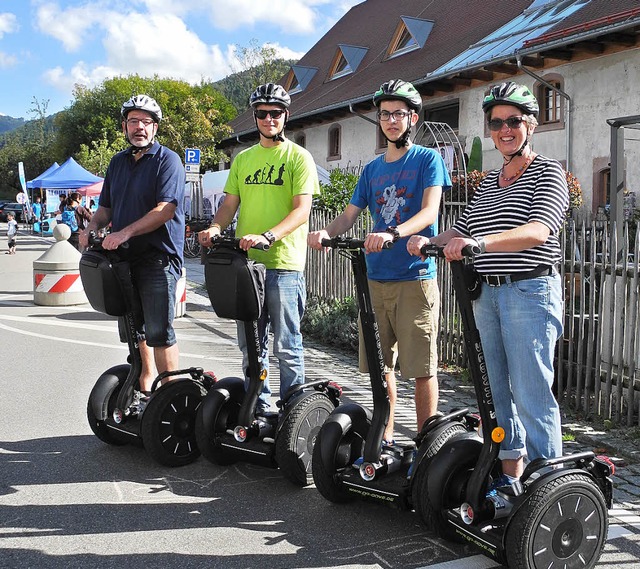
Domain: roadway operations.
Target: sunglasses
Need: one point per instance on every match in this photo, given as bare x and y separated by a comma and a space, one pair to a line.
512, 122
274, 113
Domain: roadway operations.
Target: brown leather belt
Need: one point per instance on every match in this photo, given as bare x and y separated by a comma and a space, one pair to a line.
497, 280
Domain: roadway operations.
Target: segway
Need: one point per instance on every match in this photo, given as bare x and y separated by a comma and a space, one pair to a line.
554, 516
227, 427
165, 423
349, 460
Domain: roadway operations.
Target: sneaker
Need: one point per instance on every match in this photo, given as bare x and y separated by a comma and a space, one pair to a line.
505, 484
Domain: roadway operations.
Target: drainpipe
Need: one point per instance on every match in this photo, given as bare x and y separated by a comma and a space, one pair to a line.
567, 111
365, 117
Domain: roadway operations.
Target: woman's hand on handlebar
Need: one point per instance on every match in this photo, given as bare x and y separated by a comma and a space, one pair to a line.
453, 249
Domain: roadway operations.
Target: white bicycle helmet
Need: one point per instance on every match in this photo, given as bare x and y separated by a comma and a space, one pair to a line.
142, 103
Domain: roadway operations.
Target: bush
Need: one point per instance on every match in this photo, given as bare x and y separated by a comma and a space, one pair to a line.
332, 322
575, 191
335, 196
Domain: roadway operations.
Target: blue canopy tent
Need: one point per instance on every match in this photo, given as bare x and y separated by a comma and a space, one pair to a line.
69, 176
36, 182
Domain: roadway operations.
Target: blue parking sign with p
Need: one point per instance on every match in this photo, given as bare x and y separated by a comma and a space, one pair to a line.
192, 156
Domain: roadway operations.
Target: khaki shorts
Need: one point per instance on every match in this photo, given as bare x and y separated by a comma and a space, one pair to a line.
407, 313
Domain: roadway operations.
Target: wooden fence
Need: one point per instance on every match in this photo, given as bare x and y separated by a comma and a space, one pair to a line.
598, 358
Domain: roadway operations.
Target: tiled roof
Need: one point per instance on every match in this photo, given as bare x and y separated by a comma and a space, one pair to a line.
372, 24
470, 39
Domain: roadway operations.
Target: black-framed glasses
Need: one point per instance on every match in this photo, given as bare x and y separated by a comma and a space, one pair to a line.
512, 122
144, 122
274, 113
397, 115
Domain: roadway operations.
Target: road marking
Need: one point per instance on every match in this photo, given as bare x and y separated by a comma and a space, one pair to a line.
475, 562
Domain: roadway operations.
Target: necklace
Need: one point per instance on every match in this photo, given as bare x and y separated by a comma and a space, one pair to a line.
522, 169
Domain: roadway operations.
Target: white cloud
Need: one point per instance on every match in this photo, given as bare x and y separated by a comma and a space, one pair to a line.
7, 60
8, 23
71, 26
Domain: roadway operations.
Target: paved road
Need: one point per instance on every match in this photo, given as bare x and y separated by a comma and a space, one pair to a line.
67, 500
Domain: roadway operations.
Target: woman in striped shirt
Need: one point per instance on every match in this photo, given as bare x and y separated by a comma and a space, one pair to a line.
514, 218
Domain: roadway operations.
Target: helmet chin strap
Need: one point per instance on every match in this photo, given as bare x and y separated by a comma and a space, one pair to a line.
402, 141
519, 152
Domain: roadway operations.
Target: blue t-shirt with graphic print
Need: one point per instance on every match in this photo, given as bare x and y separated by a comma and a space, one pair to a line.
393, 193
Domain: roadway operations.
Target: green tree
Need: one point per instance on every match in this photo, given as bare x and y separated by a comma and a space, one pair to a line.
256, 65
193, 116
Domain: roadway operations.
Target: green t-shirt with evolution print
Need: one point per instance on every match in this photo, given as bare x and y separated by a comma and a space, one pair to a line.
267, 179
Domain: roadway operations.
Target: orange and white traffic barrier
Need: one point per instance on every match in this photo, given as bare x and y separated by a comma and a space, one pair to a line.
56, 273
181, 294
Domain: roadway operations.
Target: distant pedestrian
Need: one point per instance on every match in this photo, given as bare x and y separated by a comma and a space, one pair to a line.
36, 210
12, 231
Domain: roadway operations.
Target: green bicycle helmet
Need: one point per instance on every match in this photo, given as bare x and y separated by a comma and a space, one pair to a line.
398, 90
511, 93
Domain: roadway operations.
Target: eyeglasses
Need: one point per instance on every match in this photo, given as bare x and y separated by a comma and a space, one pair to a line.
397, 115
512, 122
274, 113
135, 122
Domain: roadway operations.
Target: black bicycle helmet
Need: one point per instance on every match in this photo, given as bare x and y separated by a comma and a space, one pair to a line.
270, 94
398, 90
142, 103
511, 93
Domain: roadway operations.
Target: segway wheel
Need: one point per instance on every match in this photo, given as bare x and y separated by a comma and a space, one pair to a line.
215, 416
106, 391
443, 482
563, 523
428, 449
297, 437
347, 450
168, 423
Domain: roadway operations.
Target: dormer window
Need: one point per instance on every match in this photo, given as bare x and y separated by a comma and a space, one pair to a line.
346, 60
298, 78
411, 34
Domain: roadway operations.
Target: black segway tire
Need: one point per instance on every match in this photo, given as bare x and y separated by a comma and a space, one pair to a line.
443, 482
168, 423
104, 395
218, 412
297, 437
429, 448
563, 523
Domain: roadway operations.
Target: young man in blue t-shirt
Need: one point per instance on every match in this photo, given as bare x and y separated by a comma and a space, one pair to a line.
402, 189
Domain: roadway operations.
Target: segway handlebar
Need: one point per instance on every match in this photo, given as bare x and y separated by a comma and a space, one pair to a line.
432, 250
349, 243
95, 241
234, 242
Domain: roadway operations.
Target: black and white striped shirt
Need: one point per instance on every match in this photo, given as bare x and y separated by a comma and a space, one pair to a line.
540, 194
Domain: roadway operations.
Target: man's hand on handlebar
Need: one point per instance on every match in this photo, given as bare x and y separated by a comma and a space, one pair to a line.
206, 237
375, 242
255, 241
415, 243
314, 239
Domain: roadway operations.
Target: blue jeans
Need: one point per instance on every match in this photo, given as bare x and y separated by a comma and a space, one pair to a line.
285, 297
156, 288
519, 325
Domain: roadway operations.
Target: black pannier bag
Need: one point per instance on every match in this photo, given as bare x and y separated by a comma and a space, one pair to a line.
235, 284
101, 284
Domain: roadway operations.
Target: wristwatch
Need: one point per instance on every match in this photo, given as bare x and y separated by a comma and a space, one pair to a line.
481, 244
394, 231
270, 237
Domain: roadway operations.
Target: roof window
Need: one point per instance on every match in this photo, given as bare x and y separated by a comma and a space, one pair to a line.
346, 60
299, 78
411, 34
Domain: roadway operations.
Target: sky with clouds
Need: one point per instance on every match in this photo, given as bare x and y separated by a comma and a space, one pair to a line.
48, 46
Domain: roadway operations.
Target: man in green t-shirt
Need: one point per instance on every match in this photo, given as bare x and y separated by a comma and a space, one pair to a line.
274, 181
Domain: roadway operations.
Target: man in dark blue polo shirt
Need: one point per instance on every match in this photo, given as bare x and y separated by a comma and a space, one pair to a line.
142, 198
